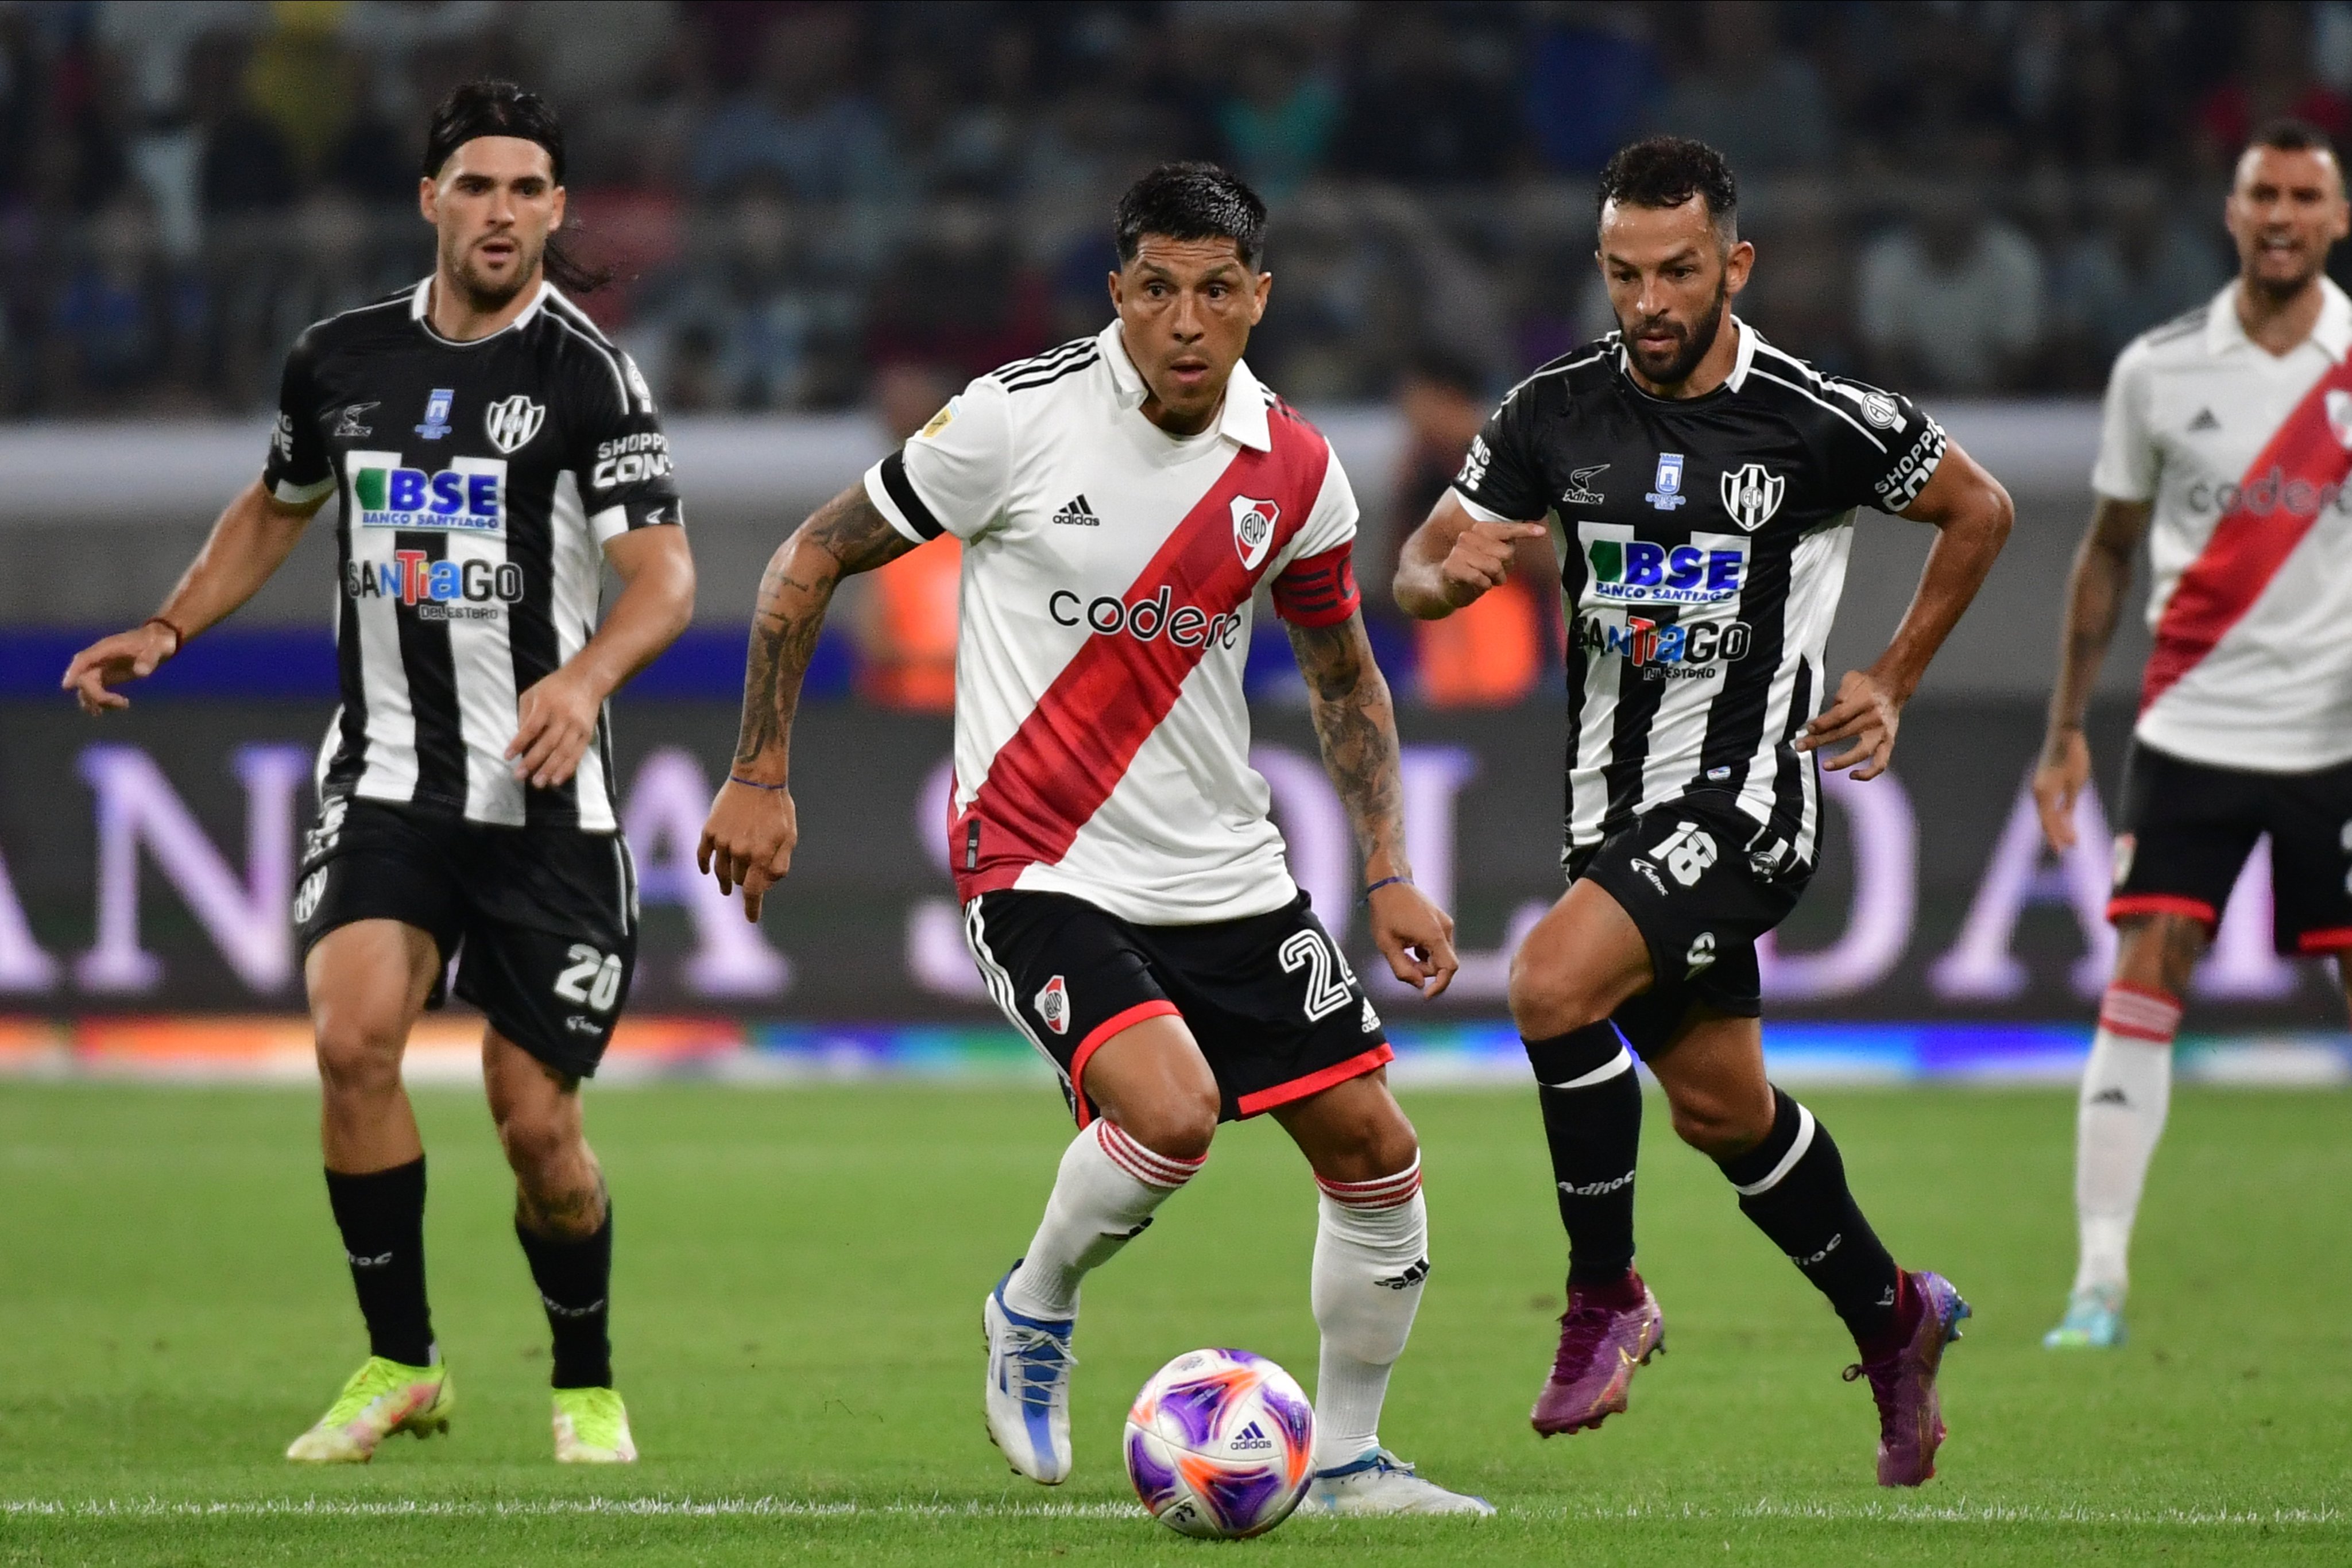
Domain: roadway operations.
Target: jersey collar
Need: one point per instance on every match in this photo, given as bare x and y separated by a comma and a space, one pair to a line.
1742, 358
1243, 420
420, 299
2332, 332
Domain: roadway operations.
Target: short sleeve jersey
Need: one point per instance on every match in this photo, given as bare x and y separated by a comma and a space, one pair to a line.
1703, 545
478, 483
1101, 738
2242, 456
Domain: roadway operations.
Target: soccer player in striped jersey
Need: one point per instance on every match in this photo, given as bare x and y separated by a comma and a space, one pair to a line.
1702, 487
1125, 895
491, 451
2228, 445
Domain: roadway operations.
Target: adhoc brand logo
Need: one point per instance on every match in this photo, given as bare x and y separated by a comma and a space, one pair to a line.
1666, 489
1752, 496
1253, 528
1054, 1006
467, 497
511, 422
1710, 569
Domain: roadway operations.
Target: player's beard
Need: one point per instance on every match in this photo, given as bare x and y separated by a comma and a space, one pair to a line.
486, 296
1696, 341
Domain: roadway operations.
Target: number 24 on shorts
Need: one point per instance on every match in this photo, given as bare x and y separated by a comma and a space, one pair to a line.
589, 978
1327, 992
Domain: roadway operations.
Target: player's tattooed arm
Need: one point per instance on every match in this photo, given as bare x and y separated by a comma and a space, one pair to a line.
1355, 724
749, 839
2094, 603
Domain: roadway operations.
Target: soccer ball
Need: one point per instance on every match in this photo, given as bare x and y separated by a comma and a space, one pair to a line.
1220, 1444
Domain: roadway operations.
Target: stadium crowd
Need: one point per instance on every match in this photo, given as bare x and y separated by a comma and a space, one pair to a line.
1973, 198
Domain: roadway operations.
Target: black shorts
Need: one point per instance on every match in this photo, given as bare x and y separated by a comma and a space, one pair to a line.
1702, 881
1272, 1003
543, 922
2186, 827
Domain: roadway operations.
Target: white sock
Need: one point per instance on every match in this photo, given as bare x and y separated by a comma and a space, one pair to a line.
1371, 1254
2126, 1088
1103, 1197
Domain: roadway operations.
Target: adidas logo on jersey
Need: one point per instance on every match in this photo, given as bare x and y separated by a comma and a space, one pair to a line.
2204, 421
1077, 513
1252, 1439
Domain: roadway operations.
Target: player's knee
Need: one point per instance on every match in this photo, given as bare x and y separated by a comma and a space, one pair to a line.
539, 1147
1548, 998
1179, 1124
358, 1057
1720, 1125
1371, 1149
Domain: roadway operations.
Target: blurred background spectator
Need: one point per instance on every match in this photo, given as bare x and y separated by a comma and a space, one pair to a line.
1965, 197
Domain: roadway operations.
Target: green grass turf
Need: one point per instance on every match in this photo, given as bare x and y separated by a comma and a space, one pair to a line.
799, 1283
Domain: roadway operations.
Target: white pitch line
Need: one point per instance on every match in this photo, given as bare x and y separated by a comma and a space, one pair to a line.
1962, 1511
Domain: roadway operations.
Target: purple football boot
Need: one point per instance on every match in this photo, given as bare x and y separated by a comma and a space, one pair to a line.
1606, 1333
1910, 1414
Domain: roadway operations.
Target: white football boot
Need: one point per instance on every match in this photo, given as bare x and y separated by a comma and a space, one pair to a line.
1380, 1483
1029, 1363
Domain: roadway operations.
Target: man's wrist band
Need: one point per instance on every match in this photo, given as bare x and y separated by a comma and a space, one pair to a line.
753, 783
1385, 881
179, 637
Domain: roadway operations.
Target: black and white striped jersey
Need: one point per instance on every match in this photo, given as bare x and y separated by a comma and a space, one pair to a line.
479, 483
1702, 547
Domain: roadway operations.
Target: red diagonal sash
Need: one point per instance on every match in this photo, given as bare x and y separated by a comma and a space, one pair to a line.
2278, 501
1054, 772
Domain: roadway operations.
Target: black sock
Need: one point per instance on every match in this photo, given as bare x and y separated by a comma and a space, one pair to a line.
574, 1278
382, 1217
1803, 1204
1592, 1120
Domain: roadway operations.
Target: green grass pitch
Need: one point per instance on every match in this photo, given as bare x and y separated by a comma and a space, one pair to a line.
799, 1283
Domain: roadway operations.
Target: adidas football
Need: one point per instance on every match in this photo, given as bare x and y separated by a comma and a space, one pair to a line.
1221, 1444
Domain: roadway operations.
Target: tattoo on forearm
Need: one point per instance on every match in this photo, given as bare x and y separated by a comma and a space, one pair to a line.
1356, 726
846, 535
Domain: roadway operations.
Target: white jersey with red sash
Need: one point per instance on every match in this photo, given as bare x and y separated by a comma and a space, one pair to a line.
1101, 738
2244, 456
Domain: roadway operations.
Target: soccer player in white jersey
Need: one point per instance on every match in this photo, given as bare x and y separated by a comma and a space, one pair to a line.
2226, 442
492, 453
1125, 895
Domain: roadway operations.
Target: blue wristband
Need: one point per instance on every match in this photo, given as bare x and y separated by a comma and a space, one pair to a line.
1385, 881
753, 783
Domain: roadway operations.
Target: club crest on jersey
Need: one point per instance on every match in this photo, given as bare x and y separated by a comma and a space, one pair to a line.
511, 422
1752, 496
1253, 528
1053, 1004
437, 404
2339, 416
1666, 492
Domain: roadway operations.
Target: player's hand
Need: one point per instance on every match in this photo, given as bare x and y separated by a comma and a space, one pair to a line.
556, 720
748, 843
1865, 712
2058, 779
110, 661
1481, 558
1415, 936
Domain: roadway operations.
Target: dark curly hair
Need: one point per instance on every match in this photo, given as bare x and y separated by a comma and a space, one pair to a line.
1666, 171
1190, 201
